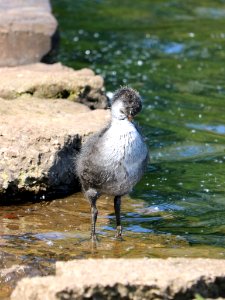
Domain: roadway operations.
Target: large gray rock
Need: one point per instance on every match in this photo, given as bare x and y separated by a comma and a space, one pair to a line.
41, 135
27, 28
137, 279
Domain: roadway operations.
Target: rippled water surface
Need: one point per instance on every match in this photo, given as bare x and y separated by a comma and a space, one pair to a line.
172, 52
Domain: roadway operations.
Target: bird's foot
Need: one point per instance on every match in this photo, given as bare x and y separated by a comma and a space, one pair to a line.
119, 232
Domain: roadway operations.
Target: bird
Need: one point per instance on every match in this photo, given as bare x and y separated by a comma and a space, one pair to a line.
113, 160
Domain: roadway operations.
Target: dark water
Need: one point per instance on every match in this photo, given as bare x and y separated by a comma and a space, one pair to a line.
173, 52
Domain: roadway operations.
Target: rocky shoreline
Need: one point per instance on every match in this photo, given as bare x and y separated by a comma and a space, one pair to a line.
43, 122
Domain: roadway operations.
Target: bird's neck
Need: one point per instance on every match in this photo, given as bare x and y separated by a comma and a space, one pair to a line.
116, 111
121, 125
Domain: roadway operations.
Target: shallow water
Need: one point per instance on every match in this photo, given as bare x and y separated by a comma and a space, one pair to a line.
173, 53
38, 234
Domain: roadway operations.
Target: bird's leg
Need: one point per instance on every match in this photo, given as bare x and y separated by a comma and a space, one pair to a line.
117, 203
92, 196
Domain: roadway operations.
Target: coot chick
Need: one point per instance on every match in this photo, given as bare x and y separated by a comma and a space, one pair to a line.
113, 160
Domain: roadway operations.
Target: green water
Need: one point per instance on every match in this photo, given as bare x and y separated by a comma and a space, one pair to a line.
173, 53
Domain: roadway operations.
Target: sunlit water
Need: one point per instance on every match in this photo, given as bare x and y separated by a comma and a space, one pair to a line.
173, 53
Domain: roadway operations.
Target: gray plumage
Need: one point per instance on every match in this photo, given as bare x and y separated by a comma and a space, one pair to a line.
113, 160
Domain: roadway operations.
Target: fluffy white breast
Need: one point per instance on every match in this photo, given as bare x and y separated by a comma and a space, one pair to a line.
122, 142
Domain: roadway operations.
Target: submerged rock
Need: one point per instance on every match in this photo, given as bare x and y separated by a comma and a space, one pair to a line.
174, 278
39, 134
27, 30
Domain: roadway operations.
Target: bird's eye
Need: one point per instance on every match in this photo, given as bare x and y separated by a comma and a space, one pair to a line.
122, 111
130, 99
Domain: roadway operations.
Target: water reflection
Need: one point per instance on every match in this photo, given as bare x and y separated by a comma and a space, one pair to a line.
220, 129
173, 48
190, 151
210, 12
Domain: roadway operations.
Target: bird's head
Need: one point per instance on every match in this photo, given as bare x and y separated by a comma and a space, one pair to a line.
126, 103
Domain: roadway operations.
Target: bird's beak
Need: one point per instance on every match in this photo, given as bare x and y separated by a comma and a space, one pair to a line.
130, 118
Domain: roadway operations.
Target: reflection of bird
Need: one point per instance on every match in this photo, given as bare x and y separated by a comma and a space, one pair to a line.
113, 160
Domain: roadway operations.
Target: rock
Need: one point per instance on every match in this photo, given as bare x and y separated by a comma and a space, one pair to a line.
16, 272
39, 141
41, 135
173, 278
27, 30
53, 81
10, 276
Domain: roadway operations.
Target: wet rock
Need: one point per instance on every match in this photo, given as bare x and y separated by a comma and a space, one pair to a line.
27, 31
16, 272
174, 278
39, 141
53, 81
10, 276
